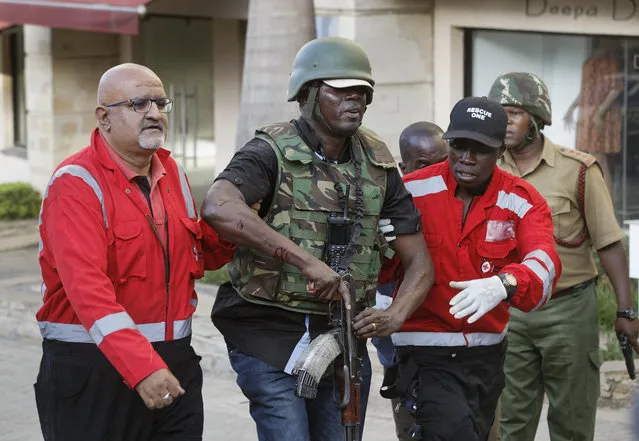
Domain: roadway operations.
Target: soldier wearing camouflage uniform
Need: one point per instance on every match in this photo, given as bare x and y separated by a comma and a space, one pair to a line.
299, 171
555, 350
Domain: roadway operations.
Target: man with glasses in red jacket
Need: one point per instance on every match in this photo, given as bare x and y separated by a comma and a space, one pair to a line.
120, 249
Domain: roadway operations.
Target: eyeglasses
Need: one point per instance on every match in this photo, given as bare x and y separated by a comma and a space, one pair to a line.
143, 105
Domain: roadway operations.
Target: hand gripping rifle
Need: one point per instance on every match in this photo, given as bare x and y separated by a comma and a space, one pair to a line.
311, 366
314, 361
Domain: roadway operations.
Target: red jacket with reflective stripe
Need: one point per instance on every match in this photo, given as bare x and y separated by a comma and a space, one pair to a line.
103, 267
508, 229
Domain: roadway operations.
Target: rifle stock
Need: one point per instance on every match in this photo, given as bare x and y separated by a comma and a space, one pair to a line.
349, 373
351, 413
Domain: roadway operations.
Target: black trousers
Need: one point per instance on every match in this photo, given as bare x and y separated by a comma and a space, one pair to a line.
458, 390
81, 397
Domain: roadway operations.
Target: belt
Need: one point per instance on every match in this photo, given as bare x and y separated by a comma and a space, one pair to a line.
572, 289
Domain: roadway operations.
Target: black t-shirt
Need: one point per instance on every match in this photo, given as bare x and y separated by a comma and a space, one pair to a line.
272, 334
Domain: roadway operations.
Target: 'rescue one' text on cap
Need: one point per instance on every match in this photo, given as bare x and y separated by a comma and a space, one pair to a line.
479, 113
479, 119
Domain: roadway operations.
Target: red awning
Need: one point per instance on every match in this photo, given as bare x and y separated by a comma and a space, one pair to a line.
116, 16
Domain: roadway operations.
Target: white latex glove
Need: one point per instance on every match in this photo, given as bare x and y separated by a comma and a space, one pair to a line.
478, 296
387, 229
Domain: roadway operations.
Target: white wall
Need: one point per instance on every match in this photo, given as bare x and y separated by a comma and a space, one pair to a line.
397, 36
557, 59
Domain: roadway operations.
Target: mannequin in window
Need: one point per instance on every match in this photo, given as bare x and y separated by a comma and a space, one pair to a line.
599, 117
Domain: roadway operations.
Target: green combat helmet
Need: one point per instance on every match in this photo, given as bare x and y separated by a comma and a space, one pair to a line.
523, 90
331, 58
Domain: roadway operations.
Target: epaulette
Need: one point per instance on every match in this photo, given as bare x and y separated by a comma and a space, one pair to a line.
583, 157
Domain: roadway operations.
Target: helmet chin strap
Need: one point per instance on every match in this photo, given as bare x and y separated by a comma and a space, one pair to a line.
311, 110
533, 133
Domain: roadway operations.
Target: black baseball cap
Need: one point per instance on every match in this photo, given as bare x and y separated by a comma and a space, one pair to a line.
480, 119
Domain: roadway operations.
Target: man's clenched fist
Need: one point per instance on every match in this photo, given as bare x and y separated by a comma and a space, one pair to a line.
159, 389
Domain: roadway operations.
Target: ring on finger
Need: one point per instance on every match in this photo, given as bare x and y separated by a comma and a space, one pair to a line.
167, 397
374, 326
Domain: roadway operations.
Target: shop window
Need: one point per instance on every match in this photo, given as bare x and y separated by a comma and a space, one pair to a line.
183, 58
594, 90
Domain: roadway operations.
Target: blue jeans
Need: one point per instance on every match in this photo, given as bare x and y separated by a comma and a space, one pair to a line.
281, 415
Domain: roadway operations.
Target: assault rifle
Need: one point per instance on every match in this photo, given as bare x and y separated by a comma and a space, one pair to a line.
311, 366
349, 371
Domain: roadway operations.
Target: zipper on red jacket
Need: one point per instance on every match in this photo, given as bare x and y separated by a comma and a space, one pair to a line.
167, 265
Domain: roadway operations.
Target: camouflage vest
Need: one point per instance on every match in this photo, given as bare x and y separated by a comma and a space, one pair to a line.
299, 211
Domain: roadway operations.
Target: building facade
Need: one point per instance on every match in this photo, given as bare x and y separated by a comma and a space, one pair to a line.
426, 54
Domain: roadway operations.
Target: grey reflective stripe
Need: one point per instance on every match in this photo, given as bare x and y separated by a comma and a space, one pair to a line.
447, 338
542, 256
153, 331
79, 172
194, 303
77, 334
182, 328
64, 332
43, 289
186, 193
110, 324
514, 203
543, 275
301, 345
425, 187
545, 259
82, 173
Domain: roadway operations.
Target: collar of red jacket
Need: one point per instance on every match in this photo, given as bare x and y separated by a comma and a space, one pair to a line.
100, 145
489, 197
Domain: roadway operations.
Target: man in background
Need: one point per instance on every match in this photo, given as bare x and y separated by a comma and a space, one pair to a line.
420, 145
555, 350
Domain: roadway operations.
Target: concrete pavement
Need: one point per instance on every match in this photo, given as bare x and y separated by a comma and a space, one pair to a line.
15, 235
226, 409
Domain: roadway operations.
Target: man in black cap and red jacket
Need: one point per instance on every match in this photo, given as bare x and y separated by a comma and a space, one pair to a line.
490, 235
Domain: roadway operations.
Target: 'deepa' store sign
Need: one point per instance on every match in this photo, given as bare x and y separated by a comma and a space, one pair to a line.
616, 10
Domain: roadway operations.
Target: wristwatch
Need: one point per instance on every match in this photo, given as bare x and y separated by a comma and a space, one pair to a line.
629, 314
510, 283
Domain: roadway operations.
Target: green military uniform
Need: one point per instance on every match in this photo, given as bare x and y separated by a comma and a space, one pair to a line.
304, 198
555, 350
267, 317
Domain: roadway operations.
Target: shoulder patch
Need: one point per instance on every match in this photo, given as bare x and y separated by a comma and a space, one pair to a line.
577, 155
376, 149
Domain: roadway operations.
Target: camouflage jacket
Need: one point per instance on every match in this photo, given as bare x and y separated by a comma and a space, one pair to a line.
304, 197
